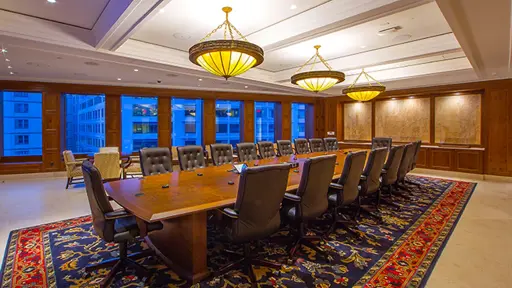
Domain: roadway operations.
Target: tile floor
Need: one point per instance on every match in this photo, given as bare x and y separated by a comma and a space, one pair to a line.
478, 253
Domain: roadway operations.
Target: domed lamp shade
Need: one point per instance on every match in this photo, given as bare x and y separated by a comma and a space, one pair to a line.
317, 80
364, 92
227, 57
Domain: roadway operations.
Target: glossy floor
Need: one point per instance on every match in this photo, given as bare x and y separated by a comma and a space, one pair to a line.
477, 254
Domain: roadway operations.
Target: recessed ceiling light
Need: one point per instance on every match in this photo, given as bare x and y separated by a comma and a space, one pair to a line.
200, 79
246, 87
181, 36
118, 79
7, 60
4, 50
136, 70
393, 98
161, 11
412, 97
293, 7
363, 46
10, 67
12, 73
51, 1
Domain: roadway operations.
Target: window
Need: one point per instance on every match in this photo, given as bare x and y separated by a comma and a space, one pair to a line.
264, 121
21, 112
139, 123
81, 131
187, 118
228, 121
299, 120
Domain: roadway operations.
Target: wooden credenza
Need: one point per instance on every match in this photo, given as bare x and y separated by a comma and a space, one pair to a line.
459, 159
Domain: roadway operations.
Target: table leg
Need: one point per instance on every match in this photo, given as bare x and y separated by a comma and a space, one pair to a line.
181, 244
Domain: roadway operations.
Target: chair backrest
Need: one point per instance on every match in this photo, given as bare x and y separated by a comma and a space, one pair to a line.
317, 145
379, 142
155, 160
191, 157
266, 149
331, 144
284, 147
392, 164
260, 193
246, 151
373, 170
314, 183
301, 146
109, 149
407, 159
174, 153
221, 154
68, 158
416, 152
108, 165
352, 171
98, 201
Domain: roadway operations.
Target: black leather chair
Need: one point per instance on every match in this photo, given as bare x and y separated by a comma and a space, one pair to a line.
310, 200
256, 212
403, 169
301, 146
317, 145
370, 180
417, 146
117, 226
331, 144
191, 157
379, 142
155, 160
344, 193
221, 154
266, 149
284, 147
390, 173
246, 152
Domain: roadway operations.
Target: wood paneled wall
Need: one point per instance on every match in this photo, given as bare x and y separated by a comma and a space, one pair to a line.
51, 132
164, 121
112, 120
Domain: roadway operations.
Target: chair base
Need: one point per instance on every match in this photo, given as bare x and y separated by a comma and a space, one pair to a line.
121, 263
307, 241
72, 180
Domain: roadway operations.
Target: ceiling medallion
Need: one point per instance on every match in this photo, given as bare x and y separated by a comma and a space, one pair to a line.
227, 57
317, 80
366, 92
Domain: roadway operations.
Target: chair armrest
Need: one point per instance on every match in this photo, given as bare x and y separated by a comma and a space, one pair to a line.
81, 160
74, 163
117, 214
230, 213
292, 197
363, 178
336, 186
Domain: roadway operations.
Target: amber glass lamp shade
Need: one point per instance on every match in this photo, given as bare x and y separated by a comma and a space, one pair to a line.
364, 92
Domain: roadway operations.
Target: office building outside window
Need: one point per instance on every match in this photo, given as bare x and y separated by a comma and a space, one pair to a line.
139, 123
85, 122
187, 122
299, 120
264, 121
21, 123
227, 119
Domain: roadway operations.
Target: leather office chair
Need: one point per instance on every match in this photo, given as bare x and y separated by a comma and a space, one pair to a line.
73, 168
345, 192
379, 142
221, 154
108, 164
284, 147
390, 172
191, 157
417, 146
403, 169
301, 146
256, 212
155, 160
310, 200
132, 167
111, 225
246, 152
370, 179
331, 144
266, 149
317, 145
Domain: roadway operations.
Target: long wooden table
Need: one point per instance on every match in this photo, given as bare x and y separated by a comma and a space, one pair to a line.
182, 207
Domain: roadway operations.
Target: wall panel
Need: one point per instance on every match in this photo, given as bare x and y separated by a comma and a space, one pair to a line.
164, 122
113, 120
247, 121
458, 119
286, 120
51, 131
209, 124
357, 121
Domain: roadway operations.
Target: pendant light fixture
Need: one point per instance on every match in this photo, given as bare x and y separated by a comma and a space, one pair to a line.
227, 57
365, 92
317, 80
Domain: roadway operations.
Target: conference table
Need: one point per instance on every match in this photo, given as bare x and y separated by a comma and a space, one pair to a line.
181, 199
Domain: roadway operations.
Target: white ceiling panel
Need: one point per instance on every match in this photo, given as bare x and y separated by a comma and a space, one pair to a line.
80, 13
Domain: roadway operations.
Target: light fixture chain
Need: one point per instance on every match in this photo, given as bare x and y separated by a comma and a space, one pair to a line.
211, 33
305, 64
367, 79
325, 62
238, 32
353, 84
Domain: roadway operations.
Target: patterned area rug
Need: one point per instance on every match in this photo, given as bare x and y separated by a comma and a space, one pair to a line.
400, 252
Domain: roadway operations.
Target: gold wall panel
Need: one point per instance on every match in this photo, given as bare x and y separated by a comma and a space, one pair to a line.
404, 120
357, 121
457, 119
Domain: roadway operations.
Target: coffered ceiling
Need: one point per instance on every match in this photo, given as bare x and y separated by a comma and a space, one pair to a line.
433, 42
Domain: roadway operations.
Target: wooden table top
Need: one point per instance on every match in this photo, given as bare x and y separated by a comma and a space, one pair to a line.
189, 193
